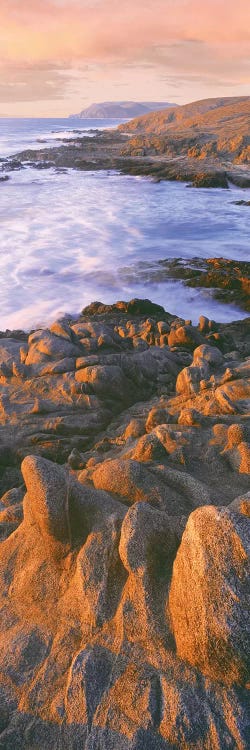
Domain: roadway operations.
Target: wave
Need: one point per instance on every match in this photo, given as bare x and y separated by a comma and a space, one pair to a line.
67, 239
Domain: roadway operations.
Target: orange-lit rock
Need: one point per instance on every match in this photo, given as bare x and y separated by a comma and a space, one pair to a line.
209, 593
123, 617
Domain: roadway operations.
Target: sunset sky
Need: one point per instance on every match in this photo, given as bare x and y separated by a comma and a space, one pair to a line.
59, 56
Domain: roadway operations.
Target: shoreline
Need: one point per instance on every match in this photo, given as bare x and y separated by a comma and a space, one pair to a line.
227, 280
106, 150
124, 458
124, 452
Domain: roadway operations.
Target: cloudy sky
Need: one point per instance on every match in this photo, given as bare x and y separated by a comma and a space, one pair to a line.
59, 56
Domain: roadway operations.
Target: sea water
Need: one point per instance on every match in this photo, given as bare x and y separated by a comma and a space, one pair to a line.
67, 239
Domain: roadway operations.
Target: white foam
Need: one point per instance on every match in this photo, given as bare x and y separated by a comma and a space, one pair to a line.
66, 238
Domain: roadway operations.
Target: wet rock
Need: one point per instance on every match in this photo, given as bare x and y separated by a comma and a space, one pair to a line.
241, 203
218, 180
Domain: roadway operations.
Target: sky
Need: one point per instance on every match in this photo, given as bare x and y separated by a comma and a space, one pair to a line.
59, 56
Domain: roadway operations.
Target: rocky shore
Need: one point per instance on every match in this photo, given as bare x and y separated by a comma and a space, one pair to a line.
111, 150
204, 143
125, 503
227, 280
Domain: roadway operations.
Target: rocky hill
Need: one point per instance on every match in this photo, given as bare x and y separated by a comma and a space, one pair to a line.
119, 110
208, 128
206, 144
124, 521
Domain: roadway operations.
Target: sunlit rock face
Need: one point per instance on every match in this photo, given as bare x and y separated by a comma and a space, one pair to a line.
124, 520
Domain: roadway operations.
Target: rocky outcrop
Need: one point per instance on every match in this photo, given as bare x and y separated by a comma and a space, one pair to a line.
124, 521
227, 280
204, 143
202, 129
209, 596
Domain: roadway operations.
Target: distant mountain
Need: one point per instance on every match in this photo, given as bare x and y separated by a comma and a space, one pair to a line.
121, 110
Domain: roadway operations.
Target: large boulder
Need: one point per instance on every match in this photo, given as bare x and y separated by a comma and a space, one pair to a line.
188, 381
173, 491
209, 595
186, 336
148, 542
106, 381
47, 501
44, 344
206, 355
129, 479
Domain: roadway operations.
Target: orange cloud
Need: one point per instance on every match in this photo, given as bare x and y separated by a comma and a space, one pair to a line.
206, 38
107, 29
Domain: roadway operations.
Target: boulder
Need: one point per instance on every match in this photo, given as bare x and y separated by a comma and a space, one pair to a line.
62, 328
157, 415
148, 448
188, 381
134, 429
185, 336
105, 381
44, 344
209, 595
206, 355
148, 542
47, 500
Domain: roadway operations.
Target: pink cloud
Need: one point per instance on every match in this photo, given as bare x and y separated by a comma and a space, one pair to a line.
108, 29
177, 38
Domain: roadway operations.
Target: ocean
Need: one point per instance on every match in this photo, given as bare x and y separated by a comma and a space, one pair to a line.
67, 239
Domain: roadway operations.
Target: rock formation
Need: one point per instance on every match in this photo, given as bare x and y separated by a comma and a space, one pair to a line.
124, 521
204, 143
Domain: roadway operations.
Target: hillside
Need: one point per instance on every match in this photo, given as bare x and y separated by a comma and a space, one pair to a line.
205, 143
210, 127
121, 109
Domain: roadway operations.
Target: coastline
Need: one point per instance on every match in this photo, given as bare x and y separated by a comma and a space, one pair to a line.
107, 151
